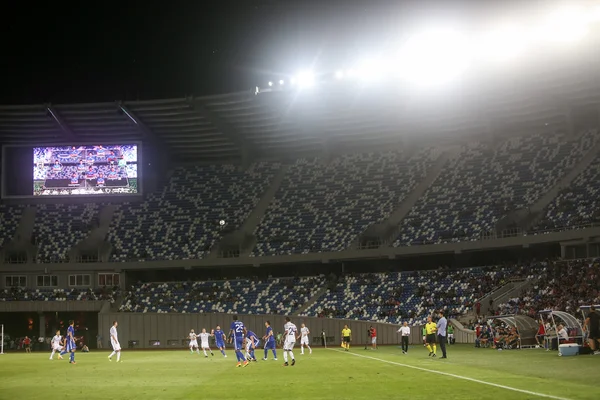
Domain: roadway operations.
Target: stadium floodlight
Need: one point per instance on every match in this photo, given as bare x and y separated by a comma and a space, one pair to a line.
293, 81
371, 69
434, 56
339, 74
281, 82
305, 79
270, 83
503, 43
565, 24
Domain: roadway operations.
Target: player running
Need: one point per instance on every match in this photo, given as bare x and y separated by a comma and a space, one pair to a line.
204, 343
56, 345
193, 342
220, 339
114, 341
251, 342
304, 335
269, 339
237, 334
290, 332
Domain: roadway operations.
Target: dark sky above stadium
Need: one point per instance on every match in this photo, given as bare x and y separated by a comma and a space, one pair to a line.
63, 52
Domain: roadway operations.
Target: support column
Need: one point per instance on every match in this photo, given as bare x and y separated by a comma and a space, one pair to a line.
42, 320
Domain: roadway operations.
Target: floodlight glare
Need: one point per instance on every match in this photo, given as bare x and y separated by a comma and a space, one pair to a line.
305, 79
503, 43
371, 69
270, 83
566, 24
434, 56
293, 81
281, 82
339, 74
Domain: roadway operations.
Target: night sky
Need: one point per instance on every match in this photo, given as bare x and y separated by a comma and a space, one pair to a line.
65, 52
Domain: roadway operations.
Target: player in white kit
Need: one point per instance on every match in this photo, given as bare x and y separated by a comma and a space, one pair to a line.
56, 345
290, 332
204, 343
114, 341
304, 339
193, 342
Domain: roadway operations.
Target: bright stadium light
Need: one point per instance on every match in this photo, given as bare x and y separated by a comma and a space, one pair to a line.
281, 82
434, 56
566, 24
293, 81
270, 83
503, 43
339, 74
305, 79
371, 69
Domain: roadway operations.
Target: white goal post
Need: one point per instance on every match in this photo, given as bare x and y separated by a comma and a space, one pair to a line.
1, 338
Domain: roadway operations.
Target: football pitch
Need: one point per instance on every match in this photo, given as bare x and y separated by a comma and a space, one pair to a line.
386, 373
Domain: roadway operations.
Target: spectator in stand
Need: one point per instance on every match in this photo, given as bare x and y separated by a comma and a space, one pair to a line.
99, 341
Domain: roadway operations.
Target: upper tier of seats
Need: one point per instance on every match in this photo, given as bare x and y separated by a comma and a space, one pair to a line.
576, 205
480, 185
324, 206
268, 296
181, 221
59, 227
9, 221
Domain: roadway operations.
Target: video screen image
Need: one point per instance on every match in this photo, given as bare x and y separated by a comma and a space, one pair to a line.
85, 170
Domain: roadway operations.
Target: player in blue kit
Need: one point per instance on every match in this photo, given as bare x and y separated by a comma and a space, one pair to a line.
269, 339
100, 180
220, 339
70, 342
237, 330
252, 342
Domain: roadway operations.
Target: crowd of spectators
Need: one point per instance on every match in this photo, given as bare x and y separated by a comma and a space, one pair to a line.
562, 286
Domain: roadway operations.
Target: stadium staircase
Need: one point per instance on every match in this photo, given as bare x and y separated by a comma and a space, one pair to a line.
501, 294
384, 233
21, 245
526, 219
240, 242
95, 245
312, 300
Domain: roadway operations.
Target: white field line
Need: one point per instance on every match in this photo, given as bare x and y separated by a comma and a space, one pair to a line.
466, 378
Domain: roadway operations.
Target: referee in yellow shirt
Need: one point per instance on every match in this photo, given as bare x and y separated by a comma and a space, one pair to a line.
430, 330
346, 337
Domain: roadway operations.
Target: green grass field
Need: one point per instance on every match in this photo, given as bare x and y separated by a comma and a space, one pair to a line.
386, 373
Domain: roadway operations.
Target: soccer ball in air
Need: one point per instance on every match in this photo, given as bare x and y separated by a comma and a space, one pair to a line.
222, 222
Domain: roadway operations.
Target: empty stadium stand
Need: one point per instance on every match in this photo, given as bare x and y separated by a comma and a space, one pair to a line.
22, 294
182, 220
485, 182
576, 205
59, 227
9, 221
267, 296
324, 205
409, 296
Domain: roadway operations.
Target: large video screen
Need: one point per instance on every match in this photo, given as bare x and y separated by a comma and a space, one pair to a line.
85, 170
